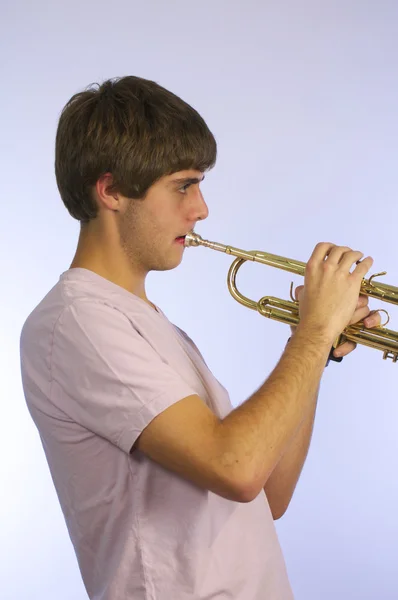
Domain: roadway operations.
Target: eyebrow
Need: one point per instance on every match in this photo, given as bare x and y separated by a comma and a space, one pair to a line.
186, 180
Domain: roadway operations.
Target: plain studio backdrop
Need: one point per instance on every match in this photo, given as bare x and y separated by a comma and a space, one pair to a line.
302, 98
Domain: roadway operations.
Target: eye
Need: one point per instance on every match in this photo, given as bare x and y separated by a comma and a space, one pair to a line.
184, 188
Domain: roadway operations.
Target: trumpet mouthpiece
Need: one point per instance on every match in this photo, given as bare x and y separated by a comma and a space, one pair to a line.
192, 239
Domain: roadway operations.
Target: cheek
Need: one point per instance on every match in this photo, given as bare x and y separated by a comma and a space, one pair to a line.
126, 226
161, 221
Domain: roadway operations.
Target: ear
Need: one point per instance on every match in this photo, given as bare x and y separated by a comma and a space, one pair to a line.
106, 198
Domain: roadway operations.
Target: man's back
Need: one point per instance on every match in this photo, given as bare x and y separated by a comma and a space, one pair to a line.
98, 364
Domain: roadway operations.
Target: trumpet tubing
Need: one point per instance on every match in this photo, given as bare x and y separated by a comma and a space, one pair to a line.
286, 311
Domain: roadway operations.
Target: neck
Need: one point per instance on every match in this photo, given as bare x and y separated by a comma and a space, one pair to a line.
102, 253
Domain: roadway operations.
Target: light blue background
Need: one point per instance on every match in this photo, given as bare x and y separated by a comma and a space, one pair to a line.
302, 98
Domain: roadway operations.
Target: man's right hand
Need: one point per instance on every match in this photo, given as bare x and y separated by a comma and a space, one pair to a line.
331, 290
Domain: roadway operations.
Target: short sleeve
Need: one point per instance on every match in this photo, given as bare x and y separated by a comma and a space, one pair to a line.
106, 376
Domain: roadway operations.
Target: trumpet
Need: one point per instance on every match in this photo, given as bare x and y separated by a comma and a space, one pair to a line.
287, 311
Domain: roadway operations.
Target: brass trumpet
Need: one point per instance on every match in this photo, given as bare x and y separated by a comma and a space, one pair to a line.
287, 311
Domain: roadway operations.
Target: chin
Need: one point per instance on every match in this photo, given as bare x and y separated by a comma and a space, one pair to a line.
167, 265
167, 261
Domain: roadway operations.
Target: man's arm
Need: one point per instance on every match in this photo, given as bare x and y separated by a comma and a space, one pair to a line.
282, 482
259, 432
235, 456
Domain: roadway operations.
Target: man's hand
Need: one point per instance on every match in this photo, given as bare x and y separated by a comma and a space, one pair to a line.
361, 313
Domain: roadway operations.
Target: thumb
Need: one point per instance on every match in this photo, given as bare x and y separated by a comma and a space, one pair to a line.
298, 292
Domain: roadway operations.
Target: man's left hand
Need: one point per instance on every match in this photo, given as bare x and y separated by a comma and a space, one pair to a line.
361, 313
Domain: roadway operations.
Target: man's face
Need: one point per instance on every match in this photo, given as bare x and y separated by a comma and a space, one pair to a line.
149, 228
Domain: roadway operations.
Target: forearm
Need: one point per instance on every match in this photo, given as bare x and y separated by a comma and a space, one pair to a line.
282, 482
258, 432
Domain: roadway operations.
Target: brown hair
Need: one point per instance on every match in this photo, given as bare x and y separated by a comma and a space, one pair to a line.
132, 128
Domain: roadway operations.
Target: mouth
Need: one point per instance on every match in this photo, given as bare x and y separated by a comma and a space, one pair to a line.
180, 239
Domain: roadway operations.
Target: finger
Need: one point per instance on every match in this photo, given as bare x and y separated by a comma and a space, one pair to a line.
298, 291
362, 300
373, 319
319, 253
359, 315
363, 267
344, 349
337, 254
349, 259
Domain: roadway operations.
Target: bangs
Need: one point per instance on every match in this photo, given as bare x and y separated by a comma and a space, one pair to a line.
186, 145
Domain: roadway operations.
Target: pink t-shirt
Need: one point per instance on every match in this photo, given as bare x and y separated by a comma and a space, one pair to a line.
98, 364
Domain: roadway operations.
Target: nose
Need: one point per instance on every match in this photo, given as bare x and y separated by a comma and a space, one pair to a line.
198, 210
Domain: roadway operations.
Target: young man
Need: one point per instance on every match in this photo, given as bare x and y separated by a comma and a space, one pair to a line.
168, 492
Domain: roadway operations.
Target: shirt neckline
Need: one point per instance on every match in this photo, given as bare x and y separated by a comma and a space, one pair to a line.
81, 273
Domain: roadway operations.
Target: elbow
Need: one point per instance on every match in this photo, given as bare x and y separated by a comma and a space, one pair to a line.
278, 506
236, 489
278, 513
247, 492
246, 488
247, 496
242, 480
